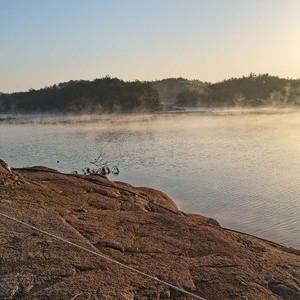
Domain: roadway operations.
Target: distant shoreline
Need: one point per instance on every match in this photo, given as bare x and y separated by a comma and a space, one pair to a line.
46, 118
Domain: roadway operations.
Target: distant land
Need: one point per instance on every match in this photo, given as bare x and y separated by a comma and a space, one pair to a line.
113, 95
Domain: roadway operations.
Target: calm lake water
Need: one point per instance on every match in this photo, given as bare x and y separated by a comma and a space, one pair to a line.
241, 169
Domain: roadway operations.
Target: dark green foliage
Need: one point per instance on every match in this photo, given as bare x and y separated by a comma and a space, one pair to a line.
112, 95
172, 90
106, 95
191, 98
255, 90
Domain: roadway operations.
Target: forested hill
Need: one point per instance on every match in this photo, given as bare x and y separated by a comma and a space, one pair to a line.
112, 95
253, 90
171, 90
106, 95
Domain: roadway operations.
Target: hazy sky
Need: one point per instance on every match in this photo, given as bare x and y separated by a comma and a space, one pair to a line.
50, 41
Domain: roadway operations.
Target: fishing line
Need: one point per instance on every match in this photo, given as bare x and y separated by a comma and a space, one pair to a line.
102, 256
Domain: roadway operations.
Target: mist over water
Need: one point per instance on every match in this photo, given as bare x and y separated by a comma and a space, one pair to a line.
239, 168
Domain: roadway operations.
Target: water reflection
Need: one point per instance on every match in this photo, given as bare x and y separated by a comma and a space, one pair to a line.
242, 171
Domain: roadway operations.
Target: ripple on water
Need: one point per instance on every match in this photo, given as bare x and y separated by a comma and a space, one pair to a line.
242, 171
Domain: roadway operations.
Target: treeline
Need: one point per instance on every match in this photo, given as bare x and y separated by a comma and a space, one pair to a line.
253, 90
173, 89
112, 95
106, 95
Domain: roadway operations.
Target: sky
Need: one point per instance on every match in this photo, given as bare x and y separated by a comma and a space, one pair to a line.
51, 41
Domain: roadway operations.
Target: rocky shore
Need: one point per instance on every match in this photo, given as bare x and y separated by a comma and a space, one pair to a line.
139, 227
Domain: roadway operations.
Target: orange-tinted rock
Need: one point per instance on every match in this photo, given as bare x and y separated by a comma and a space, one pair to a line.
140, 227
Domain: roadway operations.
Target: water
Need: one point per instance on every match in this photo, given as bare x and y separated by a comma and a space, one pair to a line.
241, 169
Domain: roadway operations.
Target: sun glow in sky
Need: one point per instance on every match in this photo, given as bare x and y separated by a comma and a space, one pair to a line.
46, 42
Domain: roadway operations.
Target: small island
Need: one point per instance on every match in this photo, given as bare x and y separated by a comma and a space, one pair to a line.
136, 226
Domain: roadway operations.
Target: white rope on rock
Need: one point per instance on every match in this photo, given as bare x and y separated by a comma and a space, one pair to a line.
102, 256
78, 295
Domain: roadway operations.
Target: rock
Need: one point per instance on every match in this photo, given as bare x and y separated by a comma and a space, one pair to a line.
285, 292
139, 227
4, 167
213, 222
